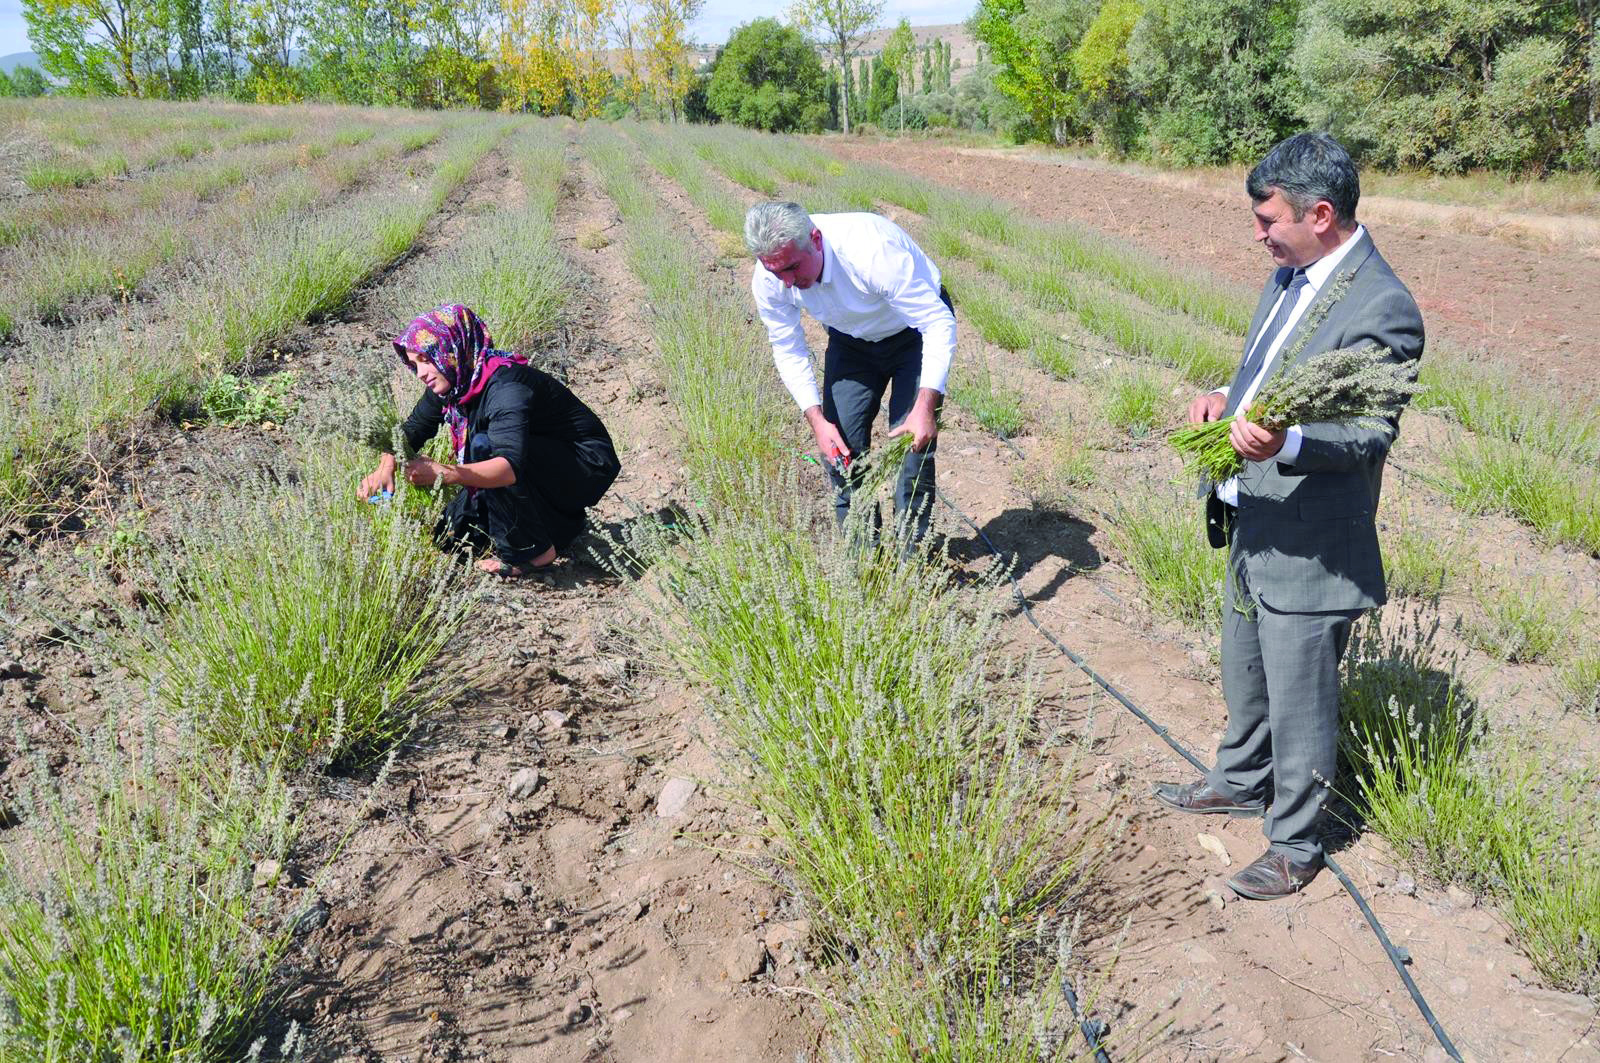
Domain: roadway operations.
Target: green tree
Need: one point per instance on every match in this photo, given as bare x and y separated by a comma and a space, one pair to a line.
1215, 78
768, 77
885, 90
1031, 44
269, 29
361, 51
900, 55
669, 74
1100, 66
926, 85
839, 27
91, 44
1451, 84
847, 90
26, 81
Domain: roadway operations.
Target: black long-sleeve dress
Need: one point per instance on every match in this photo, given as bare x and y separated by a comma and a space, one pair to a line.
562, 456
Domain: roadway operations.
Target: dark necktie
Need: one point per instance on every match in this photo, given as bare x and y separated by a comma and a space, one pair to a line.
1286, 305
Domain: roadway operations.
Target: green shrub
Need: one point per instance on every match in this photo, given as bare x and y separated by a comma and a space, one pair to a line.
1134, 403
1416, 562
994, 316
1472, 807
1059, 462
48, 176
1521, 623
1579, 681
899, 784
1559, 500
1489, 401
514, 276
729, 410
1052, 355
231, 399
1400, 670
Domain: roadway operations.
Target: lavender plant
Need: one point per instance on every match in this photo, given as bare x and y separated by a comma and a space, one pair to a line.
141, 926
1469, 806
897, 771
907, 792
298, 610
1360, 384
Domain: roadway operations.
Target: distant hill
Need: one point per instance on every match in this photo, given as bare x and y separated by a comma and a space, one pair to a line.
8, 63
963, 49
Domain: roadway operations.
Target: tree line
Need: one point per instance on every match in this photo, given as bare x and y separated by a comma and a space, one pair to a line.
575, 57
1510, 85
23, 81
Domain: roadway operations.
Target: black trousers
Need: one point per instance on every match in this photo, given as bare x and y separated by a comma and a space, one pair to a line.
544, 508
855, 375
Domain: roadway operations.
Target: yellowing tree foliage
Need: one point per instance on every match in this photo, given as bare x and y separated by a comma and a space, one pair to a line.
666, 33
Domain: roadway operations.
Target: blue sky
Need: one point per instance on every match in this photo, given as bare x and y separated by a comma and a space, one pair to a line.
719, 18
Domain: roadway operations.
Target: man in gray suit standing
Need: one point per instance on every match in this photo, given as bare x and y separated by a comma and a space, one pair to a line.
1299, 520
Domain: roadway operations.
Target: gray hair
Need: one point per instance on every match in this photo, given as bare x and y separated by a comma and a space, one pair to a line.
775, 224
1308, 168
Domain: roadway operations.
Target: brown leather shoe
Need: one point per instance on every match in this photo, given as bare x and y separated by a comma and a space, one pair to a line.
1200, 798
1273, 875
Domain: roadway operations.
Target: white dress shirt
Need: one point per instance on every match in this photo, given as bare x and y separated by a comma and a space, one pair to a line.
875, 282
1317, 276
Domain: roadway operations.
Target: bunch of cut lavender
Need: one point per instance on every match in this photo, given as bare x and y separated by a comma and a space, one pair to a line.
1350, 384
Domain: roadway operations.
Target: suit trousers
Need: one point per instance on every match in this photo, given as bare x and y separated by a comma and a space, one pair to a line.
855, 375
1280, 679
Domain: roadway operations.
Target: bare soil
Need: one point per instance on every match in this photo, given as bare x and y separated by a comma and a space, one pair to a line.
1487, 294
588, 921
585, 920
1186, 970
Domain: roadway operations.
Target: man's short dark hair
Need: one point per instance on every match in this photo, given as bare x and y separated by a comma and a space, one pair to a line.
1306, 168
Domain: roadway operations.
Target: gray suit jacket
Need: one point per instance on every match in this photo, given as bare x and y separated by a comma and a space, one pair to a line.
1307, 532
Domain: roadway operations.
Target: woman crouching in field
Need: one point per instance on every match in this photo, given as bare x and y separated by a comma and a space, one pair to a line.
529, 455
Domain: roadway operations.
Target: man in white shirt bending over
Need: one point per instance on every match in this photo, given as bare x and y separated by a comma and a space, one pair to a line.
890, 327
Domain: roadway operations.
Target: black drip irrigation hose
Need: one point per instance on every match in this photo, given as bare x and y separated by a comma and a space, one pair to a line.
1092, 1031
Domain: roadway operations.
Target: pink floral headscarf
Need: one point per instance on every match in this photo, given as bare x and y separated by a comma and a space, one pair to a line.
458, 345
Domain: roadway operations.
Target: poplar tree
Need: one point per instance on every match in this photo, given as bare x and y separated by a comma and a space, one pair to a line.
900, 55
666, 29
839, 26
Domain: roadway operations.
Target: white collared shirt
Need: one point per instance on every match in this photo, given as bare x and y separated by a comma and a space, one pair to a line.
875, 282
1317, 276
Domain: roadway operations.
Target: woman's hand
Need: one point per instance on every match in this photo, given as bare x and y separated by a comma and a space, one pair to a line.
378, 480
424, 472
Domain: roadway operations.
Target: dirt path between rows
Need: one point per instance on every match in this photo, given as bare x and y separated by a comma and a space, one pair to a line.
594, 917
1534, 311
1199, 976
553, 870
